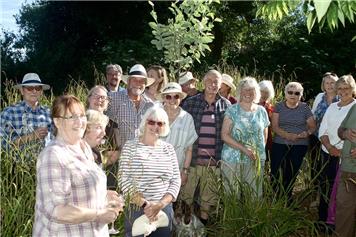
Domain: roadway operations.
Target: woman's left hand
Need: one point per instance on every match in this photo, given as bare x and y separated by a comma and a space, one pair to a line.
151, 210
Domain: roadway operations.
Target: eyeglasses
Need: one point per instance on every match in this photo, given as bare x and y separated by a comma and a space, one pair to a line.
74, 117
169, 97
297, 93
31, 88
99, 97
152, 123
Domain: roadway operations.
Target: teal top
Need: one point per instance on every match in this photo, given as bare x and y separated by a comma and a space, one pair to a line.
348, 164
247, 129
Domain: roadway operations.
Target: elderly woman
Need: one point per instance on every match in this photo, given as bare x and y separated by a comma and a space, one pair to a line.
267, 95
331, 143
160, 75
345, 220
95, 132
227, 86
292, 123
244, 132
71, 195
182, 133
148, 168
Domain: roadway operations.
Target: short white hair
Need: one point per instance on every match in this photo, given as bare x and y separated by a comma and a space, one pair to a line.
266, 85
294, 84
158, 114
96, 117
248, 82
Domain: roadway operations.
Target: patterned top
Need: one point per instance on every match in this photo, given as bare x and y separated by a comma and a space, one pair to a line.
348, 164
123, 111
20, 119
151, 170
319, 108
196, 105
331, 123
293, 120
68, 175
269, 109
248, 129
182, 135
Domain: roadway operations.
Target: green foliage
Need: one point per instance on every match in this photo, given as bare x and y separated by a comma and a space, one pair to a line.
186, 37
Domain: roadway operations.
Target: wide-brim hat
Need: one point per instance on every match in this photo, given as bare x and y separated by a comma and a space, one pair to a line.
32, 79
171, 87
184, 77
138, 71
143, 226
228, 80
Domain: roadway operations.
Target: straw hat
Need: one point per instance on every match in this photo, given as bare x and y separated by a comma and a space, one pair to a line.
229, 81
138, 71
184, 77
171, 87
32, 79
142, 225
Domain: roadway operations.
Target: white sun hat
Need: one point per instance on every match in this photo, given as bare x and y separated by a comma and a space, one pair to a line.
138, 70
172, 87
142, 225
184, 77
228, 80
32, 79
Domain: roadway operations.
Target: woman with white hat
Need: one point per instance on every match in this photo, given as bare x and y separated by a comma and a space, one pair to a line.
226, 86
182, 131
27, 122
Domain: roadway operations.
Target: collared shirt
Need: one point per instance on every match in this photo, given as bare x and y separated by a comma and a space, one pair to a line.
196, 105
20, 119
68, 175
124, 113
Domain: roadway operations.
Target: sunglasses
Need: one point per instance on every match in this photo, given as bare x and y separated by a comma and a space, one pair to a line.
152, 123
31, 88
169, 97
297, 93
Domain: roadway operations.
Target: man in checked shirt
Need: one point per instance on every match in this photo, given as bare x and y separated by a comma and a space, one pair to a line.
126, 109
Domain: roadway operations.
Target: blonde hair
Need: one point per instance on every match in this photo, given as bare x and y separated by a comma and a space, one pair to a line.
328, 75
155, 113
349, 80
96, 117
248, 82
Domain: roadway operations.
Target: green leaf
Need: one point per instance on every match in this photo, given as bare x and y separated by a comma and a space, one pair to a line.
321, 7
353, 38
341, 16
311, 21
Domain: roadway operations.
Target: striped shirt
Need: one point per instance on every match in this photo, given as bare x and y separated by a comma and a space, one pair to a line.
207, 137
182, 135
124, 113
150, 170
20, 119
293, 120
68, 175
196, 105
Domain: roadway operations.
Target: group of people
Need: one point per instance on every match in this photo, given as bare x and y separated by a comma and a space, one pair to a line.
170, 141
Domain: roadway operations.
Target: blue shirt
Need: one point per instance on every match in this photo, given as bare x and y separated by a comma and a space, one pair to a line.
20, 119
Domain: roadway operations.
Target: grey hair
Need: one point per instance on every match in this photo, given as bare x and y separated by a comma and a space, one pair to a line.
93, 89
213, 72
294, 84
349, 80
248, 82
266, 85
116, 67
328, 75
155, 113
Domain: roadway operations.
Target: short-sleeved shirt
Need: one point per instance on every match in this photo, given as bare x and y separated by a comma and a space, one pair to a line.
68, 175
348, 164
20, 119
182, 135
293, 120
331, 122
150, 170
247, 129
123, 112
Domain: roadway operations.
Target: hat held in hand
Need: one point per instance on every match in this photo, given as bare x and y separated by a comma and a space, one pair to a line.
142, 225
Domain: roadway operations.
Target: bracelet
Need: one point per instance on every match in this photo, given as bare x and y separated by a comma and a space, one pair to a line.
186, 170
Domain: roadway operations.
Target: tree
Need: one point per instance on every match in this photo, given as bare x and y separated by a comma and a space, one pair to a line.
186, 36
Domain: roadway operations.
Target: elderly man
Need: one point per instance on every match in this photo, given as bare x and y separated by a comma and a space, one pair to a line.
127, 107
27, 122
188, 83
113, 77
207, 109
